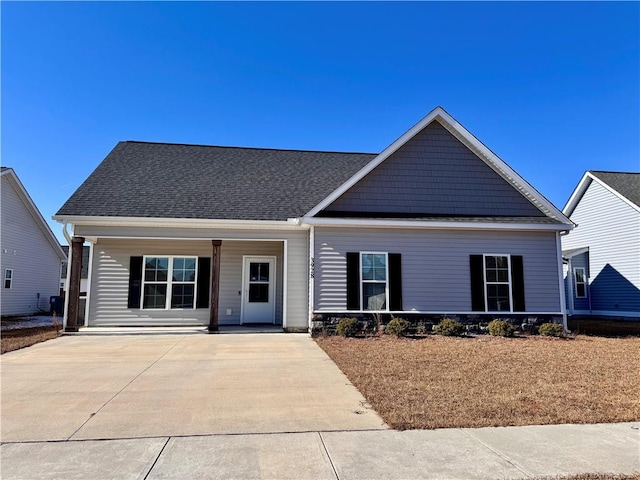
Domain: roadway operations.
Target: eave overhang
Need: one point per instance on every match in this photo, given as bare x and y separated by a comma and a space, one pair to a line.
435, 225
289, 224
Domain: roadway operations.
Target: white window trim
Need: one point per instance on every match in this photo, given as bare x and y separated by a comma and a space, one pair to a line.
584, 282
4, 284
484, 281
386, 281
169, 282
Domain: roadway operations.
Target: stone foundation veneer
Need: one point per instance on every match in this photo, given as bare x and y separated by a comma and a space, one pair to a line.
326, 323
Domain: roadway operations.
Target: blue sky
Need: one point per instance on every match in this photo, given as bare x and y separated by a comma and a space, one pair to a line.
552, 88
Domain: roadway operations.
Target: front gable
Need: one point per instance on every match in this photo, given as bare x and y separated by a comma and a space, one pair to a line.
438, 172
432, 174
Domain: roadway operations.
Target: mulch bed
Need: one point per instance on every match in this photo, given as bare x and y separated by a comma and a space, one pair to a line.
25, 337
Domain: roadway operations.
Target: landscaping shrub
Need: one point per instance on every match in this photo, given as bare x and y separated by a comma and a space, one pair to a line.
551, 330
450, 328
501, 328
348, 327
397, 326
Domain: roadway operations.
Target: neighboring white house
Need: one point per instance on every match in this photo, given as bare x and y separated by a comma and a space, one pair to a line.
602, 253
30, 255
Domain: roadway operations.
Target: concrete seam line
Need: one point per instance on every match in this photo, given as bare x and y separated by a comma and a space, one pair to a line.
122, 389
333, 467
497, 452
153, 464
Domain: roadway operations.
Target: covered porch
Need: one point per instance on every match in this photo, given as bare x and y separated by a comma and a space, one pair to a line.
212, 285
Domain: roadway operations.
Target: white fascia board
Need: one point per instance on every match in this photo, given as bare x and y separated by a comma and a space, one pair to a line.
580, 190
360, 223
35, 213
291, 224
577, 194
468, 139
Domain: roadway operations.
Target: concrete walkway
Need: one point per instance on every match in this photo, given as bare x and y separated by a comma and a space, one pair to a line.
485, 453
249, 406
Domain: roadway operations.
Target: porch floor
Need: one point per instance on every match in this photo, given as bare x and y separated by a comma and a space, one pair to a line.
223, 329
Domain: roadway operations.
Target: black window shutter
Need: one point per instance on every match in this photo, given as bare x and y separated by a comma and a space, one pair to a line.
517, 283
477, 283
353, 281
204, 277
135, 282
395, 282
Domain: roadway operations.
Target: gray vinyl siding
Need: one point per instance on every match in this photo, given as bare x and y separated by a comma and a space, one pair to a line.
231, 277
610, 227
110, 274
434, 173
27, 250
435, 265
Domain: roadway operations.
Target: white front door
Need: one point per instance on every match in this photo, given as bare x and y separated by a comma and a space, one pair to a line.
258, 292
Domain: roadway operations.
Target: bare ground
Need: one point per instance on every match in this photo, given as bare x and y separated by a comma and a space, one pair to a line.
440, 382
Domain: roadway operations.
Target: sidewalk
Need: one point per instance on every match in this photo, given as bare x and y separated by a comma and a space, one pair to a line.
485, 453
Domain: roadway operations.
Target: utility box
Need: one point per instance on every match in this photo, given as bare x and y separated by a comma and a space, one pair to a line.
56, 303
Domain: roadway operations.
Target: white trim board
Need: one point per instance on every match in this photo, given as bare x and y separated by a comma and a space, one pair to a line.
605, 313
470, 141
582, 187
438, 225
289, 224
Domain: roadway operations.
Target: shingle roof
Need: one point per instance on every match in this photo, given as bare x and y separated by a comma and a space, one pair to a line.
139, 179
626, 184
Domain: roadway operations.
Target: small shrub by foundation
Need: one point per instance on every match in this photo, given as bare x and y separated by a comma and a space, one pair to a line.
501, 328
421, 328
397, 326
449, 328
551, 330
348, 327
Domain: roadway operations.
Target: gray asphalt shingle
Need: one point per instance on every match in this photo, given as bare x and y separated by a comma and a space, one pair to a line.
626, 184
160, 180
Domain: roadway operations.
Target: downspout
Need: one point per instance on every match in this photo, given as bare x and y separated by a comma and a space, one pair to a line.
68, 279
311, 273
563, 303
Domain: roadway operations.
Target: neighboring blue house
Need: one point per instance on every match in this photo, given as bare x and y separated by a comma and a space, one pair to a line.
602, 254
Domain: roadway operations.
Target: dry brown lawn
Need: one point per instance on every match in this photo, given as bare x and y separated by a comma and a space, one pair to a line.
598, 476
25, 337
440, 382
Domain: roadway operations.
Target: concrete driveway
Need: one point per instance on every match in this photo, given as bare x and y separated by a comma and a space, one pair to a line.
132, 386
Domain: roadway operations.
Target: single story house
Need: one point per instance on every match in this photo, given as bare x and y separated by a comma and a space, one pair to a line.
436, 224
30, 255
602, 253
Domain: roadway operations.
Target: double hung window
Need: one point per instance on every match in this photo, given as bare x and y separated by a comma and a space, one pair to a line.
374, 277
497, 283
8, 277
169, 282
581, 282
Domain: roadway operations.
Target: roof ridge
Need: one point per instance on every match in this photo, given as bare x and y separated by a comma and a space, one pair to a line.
612, 171
247, 148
